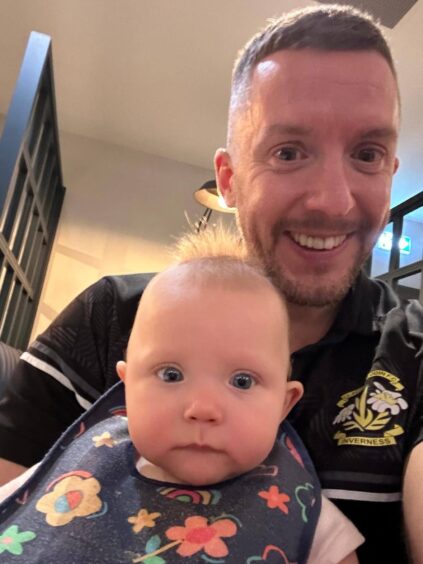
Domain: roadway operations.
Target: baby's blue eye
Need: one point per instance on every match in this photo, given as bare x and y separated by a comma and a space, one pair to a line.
242, 381
170, 374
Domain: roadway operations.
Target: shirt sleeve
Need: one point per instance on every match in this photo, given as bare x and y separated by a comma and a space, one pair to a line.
62, 373
335, 536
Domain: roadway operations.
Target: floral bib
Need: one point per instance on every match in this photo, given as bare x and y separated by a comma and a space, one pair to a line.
87, 504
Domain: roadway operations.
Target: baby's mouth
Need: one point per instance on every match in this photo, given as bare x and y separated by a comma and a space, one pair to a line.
318, 243
195, 447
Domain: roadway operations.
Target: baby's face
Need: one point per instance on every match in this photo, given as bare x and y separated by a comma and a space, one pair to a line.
206, 381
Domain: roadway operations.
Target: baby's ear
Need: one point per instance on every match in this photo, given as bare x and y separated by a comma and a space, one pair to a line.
294, 392
121, 369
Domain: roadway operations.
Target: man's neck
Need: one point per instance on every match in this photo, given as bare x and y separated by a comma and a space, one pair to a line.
309, 324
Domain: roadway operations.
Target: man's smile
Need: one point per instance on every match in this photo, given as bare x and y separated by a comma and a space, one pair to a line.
318, 243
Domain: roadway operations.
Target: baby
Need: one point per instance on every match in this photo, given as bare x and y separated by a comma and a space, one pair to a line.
207, 471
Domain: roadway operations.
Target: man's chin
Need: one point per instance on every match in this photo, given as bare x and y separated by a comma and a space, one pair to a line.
318, 289
316, 292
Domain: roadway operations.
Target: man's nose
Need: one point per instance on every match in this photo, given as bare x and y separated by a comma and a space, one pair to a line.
330, 190
204, 410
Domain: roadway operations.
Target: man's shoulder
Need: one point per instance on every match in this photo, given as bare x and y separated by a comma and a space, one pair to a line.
119, 295
387, 306
120, 287
104, 312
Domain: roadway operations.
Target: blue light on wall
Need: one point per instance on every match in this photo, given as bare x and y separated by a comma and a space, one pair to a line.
385, 243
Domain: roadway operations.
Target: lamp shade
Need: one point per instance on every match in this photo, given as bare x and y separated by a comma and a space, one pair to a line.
209, 197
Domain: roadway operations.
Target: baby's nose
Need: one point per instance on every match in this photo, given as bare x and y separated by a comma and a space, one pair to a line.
204, 410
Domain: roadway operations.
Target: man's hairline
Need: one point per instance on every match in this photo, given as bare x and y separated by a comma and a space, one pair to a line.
240, 101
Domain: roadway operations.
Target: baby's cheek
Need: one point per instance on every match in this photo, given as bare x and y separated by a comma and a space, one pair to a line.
145, 426
257, 444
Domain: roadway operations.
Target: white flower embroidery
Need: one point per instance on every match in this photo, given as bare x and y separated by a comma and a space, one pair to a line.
385, 400
104, 439
344, 414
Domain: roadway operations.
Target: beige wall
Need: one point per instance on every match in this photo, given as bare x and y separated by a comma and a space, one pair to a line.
121, 211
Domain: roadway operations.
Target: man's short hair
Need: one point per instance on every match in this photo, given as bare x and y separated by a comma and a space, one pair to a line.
325, 28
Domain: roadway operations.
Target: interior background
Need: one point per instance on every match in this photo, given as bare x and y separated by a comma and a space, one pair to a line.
142, 91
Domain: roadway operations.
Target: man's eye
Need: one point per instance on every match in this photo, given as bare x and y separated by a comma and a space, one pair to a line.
289, 154
170, 374
242, 381
368, 155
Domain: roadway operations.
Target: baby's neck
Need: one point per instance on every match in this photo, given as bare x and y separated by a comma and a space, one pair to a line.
149, 470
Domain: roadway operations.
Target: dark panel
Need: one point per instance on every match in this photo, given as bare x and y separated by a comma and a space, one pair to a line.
388, 12
31, 191
397, 275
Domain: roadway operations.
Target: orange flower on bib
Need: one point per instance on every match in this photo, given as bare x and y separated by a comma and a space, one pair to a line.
198, 535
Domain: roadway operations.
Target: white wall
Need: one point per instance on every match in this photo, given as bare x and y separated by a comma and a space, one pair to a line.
122, 210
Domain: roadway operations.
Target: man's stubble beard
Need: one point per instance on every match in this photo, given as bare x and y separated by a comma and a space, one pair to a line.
301, 294
310, 294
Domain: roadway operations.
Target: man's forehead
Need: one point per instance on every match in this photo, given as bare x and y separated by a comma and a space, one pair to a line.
325, 81
314, 64
355, 91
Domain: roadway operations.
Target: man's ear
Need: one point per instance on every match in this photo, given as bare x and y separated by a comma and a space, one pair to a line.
293, 393
224, 173
121, 369
396, 164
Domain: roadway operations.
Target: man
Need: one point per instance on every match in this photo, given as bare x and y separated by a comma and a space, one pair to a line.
312, 136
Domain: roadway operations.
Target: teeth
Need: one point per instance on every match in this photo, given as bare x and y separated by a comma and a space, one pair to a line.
318, 243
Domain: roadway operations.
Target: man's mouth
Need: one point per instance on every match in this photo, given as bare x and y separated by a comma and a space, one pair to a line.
318, 243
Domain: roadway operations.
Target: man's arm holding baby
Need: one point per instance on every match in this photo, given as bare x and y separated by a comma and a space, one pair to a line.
413, 503
65, 370
35, 409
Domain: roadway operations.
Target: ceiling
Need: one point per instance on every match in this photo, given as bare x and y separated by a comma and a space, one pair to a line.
154, 75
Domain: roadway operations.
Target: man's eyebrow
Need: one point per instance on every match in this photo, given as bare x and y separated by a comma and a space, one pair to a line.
293, 129
279, 129
379, 133
285, 129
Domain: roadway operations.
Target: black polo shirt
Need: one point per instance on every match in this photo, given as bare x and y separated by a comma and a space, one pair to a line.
361, 414
362, 411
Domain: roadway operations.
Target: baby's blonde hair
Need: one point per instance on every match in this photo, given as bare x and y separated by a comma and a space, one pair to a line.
218, 256
217, 241
213, 259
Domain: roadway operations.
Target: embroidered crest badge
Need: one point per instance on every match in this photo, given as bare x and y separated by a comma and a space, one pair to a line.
368, 415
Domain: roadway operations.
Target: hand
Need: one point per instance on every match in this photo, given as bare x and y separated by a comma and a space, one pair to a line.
413, 503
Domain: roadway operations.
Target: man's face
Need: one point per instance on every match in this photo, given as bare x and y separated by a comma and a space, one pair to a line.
206, 381
310, 166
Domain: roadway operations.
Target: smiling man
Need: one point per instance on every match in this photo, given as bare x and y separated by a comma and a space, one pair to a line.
311, 152
309, 165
